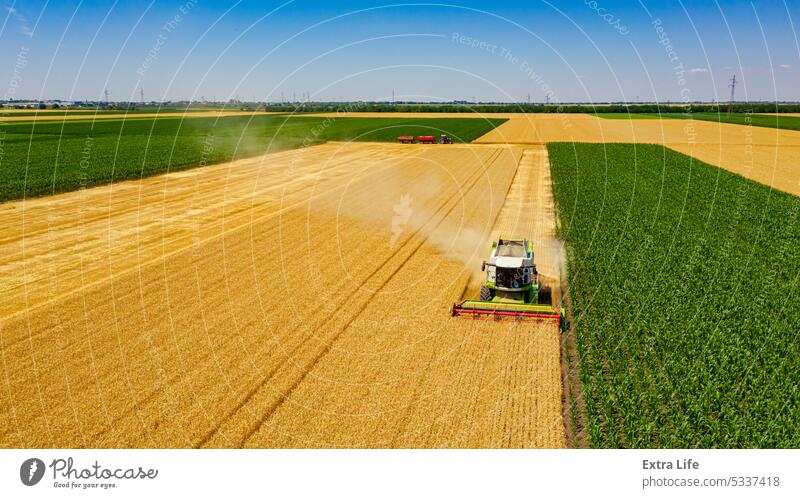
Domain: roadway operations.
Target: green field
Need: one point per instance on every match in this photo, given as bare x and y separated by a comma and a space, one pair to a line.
51, 157
761, 120
31, 112
684, 284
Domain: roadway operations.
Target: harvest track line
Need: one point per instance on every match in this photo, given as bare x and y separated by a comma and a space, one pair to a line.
274, 406
288, 356
226, 233
29, 204
339, 186
336, 186
247, 216
272, 305
467, 285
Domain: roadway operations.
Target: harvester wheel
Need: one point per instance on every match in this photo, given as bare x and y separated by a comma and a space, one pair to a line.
486, 294
545, 295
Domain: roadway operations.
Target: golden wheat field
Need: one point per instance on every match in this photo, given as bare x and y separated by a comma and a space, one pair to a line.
296, 299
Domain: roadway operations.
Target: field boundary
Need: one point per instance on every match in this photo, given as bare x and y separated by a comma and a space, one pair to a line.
573, 406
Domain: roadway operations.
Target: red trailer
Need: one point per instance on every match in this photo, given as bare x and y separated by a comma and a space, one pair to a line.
426, 139
405, 139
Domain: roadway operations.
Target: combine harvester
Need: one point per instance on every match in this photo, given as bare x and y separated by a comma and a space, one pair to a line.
512, 287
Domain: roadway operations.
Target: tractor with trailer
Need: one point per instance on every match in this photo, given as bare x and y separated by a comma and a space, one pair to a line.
425, 139
512, 288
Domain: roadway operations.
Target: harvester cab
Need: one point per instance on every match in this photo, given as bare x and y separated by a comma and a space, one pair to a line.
511, 288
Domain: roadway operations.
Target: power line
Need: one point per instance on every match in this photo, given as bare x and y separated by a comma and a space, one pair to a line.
733, 94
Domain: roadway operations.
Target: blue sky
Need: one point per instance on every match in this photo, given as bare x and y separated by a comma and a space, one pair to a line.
580, 50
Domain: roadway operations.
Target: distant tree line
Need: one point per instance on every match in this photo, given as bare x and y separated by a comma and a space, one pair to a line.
758, 107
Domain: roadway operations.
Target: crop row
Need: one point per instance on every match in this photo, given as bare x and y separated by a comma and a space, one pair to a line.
684, 284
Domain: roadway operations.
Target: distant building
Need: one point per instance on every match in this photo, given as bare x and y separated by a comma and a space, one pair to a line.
21, 105
44, 104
